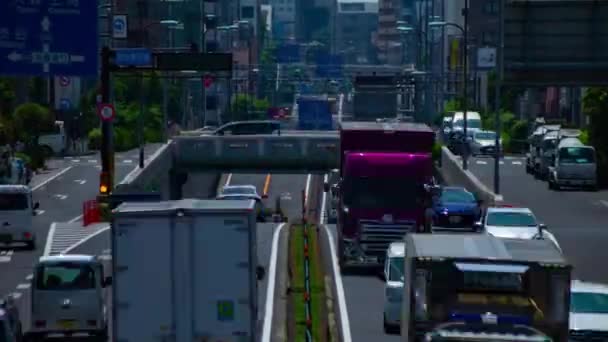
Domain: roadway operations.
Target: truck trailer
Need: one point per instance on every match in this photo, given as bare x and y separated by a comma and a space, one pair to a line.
375, 97
485, 282
185, 271
386, 171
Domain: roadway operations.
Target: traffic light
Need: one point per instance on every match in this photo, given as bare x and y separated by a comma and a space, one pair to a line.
104, 183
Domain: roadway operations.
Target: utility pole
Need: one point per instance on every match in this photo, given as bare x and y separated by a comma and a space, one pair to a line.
204, 50
465, 73
497, 90
141, 4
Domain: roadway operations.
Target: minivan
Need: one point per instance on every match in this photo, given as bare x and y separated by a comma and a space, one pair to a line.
17, 211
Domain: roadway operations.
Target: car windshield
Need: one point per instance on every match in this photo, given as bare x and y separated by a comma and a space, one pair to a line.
371, 193
13, 201
510, 219
485, 136
456, 196
237, 190
65, 276
395, 271
471, 123
589, 303
576, 155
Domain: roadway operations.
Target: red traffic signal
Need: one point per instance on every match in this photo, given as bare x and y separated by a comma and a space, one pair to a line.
207, 81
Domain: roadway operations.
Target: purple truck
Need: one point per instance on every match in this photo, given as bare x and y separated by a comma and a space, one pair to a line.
386, 172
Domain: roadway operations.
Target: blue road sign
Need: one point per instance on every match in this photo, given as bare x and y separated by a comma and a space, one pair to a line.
65, 104
136, 57
49, 38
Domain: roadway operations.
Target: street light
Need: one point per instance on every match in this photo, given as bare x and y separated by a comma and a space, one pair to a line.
465, 76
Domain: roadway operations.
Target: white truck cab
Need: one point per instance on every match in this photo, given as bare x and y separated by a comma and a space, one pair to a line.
69, 296
10, 323
393, 286
17, 210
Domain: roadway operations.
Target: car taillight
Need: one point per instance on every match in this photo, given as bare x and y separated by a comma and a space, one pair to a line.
27, 235
39, 324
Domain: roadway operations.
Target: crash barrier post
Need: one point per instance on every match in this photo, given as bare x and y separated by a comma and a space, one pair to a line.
307, 291
90, 212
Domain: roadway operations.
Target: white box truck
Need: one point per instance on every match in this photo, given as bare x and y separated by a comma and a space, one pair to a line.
184, 271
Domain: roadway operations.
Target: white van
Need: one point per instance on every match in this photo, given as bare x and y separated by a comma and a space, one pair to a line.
393, 287
69, 297
574, 165
17, 211
473, 122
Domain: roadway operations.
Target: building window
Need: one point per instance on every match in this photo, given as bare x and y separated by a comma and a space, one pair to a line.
247, 12
491, 7
488, 38
353, 7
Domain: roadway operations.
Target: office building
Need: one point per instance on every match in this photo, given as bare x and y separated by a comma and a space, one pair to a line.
356, 25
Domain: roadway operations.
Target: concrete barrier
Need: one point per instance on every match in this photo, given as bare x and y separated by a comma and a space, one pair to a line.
453, 174
154, 176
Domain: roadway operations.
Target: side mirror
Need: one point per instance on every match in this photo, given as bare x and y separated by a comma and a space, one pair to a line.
477, 226
542, 226
260, 272
325, 187
107, 282
36, 205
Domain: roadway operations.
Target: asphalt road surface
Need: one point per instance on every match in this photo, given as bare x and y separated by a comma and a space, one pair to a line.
60, 190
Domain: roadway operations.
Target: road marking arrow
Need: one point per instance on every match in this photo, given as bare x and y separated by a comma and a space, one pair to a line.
14, 56
80, 181
60, 196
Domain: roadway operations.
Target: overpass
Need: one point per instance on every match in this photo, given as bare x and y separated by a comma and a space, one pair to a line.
292, 152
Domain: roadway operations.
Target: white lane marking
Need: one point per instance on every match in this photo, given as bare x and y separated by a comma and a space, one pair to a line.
76, 160
29, 277
228, 179
49, 239
6, 256
16, 295
482, 162
39, 212
605, 203
74, 246
46, 181
516, 163
23, 286
75, 219
308, 178
60, 196
344, 321
269, 307
80, 181
98, 167
127, 161
92, 160
501, 162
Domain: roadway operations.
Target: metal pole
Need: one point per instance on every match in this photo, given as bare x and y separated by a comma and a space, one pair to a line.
465, 74
204, 50
497, 89
249, 76
140, 118
106, 126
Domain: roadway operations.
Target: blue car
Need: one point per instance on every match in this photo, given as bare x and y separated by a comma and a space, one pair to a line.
456, 208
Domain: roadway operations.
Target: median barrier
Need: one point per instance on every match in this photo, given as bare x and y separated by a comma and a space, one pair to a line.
453, 174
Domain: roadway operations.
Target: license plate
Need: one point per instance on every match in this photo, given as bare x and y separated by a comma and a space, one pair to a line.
455, 219
5, 238
67, 324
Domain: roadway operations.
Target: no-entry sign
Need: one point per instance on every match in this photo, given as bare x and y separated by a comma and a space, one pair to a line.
106, 111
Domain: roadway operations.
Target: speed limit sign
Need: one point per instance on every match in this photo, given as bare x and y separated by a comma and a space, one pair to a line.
106, 112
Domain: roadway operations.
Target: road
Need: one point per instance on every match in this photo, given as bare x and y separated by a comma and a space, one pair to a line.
60, 190
579, 219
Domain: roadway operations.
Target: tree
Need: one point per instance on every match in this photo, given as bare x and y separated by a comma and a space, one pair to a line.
595, 105
245, 107
31, 120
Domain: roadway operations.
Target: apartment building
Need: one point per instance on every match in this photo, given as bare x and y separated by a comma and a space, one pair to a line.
356, 25
284, 19
388, 39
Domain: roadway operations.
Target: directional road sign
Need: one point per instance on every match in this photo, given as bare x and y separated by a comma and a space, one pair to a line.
119, 26
106, 111
137, 57
48, 38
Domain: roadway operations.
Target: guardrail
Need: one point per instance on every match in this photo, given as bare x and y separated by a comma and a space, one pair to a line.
452, 172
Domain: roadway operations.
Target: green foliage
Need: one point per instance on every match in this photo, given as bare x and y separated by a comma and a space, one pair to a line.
31, 120
26, 159
584, 137
245, 107
95, 139
436, 151
595, 105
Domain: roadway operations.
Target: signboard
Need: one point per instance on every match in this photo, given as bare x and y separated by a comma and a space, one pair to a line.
106, 111
137, 57
67, 92
49, 38
542, 51
119, 26
194, 61
486, 58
